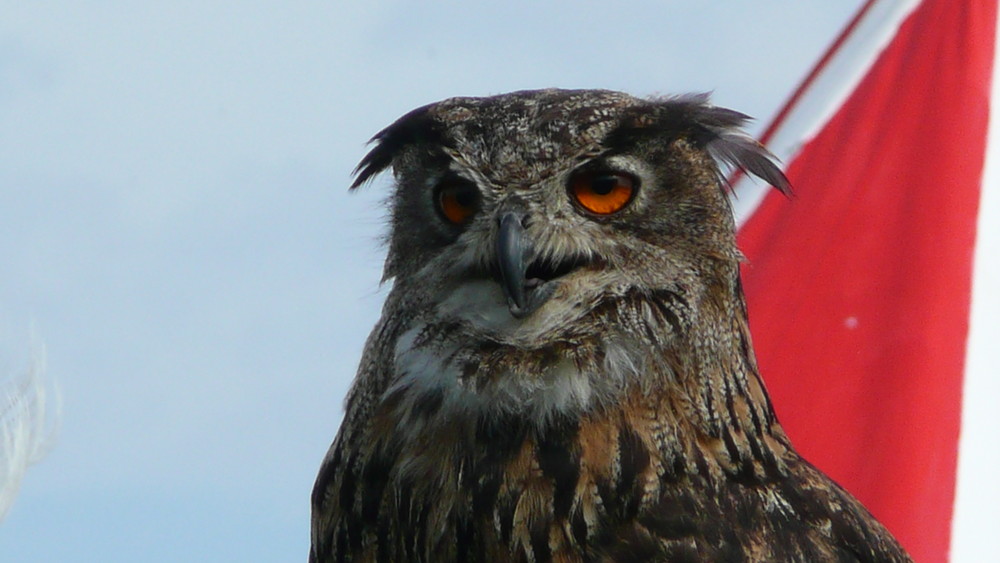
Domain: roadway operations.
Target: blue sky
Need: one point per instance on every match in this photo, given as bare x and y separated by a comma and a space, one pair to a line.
175, 226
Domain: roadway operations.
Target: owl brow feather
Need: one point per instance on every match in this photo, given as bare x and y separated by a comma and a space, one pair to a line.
718, 130
732, 146
417, 126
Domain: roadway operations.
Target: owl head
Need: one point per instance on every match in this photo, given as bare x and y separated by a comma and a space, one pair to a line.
519, 214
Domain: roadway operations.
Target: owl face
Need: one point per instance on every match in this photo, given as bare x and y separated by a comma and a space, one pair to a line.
544, 245
519, 215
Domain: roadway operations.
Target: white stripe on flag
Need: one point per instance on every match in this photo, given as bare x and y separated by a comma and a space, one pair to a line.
829, 90
976, 520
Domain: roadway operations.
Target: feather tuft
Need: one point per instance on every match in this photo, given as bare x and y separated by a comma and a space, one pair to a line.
28, 420
731, 146
414, 127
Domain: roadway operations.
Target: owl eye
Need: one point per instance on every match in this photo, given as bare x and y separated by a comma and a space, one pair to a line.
457, 201
602, 192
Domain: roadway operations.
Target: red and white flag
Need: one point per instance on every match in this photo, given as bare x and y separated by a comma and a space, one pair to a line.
874, 292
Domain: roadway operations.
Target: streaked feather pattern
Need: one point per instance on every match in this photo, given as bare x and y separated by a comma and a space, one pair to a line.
625, 418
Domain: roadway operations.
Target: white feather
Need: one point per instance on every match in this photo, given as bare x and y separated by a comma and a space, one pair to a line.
425, 367
28, 417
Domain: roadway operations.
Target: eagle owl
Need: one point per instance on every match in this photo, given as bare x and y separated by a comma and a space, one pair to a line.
563, 369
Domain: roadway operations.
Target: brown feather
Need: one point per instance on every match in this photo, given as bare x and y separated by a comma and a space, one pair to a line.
624, 419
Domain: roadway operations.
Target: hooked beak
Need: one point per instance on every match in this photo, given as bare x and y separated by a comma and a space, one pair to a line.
515, 254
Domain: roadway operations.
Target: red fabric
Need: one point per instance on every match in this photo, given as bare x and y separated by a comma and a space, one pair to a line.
859, 286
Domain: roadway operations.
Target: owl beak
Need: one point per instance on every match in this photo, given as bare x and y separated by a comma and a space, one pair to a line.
514, 253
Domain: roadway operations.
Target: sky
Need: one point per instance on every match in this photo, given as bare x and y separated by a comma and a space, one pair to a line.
177, 237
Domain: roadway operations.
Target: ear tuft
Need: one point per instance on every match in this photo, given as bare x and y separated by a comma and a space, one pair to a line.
728, 144
414, 127
742, 152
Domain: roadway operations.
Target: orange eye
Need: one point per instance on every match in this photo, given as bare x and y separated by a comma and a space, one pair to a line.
602, 192
457, 201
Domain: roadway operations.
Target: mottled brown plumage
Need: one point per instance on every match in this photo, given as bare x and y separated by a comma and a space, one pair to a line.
553, 383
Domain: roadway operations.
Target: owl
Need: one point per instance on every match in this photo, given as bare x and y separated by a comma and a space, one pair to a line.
563, 369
